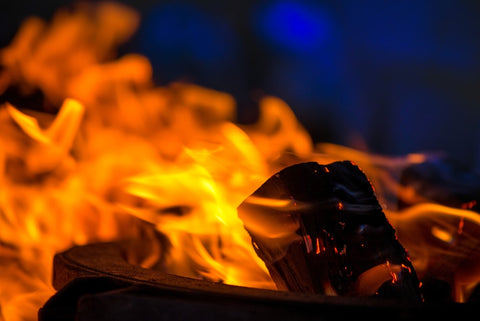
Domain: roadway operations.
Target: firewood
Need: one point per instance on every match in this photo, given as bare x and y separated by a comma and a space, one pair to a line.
320, 229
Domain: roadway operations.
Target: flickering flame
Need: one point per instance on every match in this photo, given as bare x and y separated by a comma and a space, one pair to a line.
120, 151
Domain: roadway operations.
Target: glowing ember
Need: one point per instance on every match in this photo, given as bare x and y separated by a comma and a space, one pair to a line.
120, 151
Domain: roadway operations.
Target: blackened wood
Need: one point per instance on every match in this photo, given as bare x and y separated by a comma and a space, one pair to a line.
320, 229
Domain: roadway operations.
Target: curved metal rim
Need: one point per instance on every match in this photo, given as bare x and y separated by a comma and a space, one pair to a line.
106, 259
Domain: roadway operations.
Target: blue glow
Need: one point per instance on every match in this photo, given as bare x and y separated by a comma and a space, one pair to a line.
293, 25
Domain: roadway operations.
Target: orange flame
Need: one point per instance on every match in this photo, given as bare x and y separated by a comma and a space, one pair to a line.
120, 149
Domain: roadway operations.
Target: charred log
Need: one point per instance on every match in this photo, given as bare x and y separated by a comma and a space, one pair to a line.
320, 229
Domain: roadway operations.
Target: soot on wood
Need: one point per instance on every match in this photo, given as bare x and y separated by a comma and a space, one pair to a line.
320, 229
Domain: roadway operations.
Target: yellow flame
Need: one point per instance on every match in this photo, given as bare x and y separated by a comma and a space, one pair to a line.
269, 202
442, 235
120, 151
443, 243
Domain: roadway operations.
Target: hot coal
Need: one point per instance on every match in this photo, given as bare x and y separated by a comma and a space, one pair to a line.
320, 229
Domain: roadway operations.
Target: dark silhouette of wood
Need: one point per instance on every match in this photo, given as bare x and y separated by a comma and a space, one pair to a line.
320, 229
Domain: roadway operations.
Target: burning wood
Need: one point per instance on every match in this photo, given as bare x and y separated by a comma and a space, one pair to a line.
320, 229
101, 149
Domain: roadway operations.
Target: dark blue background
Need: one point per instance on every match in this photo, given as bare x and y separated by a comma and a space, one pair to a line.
391, 77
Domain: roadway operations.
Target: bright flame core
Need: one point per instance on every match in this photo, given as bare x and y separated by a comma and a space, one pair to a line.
120, 149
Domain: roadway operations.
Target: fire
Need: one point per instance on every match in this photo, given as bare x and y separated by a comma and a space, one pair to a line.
120, 151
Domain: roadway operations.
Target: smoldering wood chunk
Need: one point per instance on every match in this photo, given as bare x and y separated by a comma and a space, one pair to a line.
320, 229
